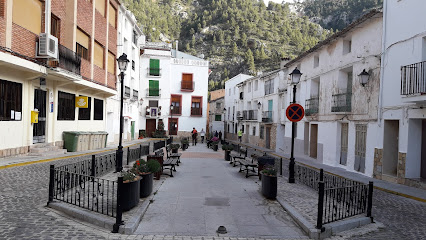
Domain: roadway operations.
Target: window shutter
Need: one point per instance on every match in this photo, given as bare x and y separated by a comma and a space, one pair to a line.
154, 67
153, 88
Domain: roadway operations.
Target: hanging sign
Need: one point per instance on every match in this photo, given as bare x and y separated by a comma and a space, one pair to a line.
81, 102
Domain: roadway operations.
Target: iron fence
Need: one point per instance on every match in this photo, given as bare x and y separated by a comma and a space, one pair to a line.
92, 193
159, 144
69, 59
311, 106
134, 154
342, 102
413, 79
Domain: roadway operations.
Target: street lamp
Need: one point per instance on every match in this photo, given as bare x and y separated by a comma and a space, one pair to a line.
295, 79
363, 77
122, 65
224, 122
171, 118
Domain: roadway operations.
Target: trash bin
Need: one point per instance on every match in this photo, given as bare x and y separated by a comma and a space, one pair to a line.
263, 161
85, 136
92, 140
103, 137
71, 140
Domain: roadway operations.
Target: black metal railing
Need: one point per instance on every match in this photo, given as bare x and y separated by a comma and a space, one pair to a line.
245, 115
69, 60
342, 102
169, 140
239, 115
133, 65
267, 116
176, 110
127, 92
92, 193
252, 115
135, 95
159, 144
413, 79
311, 106
196, 111
95, 166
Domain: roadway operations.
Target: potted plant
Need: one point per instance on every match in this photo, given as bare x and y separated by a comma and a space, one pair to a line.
227, 148
130, 190
185, 143
146, 170
269, 182
174, 147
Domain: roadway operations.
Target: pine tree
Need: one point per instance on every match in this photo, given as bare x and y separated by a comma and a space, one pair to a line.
234, 48
250, 62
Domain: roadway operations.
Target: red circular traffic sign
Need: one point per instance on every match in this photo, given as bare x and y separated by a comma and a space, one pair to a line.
295, 112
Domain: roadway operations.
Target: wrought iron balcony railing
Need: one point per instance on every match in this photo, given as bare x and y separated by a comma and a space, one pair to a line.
267, 116
239, 115
187, 85
250, 115
196, 111
342, 102
127, 92
311, 106
68, 60
176, 110
153, 92
135, 95
413, 79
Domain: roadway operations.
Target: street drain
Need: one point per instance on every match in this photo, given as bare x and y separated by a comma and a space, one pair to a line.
221, 230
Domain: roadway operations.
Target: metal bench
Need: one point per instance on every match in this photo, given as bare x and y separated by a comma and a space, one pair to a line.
171, 155
235, 157
248, 165
169, 163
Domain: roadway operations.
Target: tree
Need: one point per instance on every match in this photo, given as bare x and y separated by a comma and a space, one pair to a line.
234, 48
250, 61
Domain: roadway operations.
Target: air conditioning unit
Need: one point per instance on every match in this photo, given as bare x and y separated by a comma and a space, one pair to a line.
47, 46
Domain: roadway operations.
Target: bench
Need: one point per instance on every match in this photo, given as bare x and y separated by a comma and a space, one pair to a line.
169, 162
171, 155
242, 154
248, 165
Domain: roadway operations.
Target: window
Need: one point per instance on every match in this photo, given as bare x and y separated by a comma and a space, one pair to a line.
99, 55
84, 113
347, 46
135, 37
99, 109
153, 103
66, 106
256, 85
249, 87
100, 6
262, 129
55, 26
316, 61
196, 109
112, 16
218, 117
154, 89
28, 14
218, 104
154, 67
111, 63
187, 83
269, 87
133, 65
10, 100
176, 102
82, 44
254, 131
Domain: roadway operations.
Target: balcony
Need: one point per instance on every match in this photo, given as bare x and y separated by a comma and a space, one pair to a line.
133, 65
342, 102
68, 60
267, 116
135, 95
176, 111
250, 115
311, 106
239, 115
127, 92
241, 95
196, 111
153, 92
187, 85
413, 79
154, 72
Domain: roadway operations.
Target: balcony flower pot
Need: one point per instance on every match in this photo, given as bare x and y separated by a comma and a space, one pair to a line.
269, 183
130, 191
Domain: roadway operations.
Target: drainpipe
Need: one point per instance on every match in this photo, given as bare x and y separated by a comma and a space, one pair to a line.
382, 64
47, 16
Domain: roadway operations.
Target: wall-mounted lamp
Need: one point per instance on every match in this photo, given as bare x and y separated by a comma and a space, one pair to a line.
363, 77
259, 105
224, 109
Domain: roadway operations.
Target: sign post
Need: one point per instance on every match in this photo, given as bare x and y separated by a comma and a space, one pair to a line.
294, 113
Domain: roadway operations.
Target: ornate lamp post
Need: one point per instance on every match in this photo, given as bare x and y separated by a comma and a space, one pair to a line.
295, 79
171, 125
122, 65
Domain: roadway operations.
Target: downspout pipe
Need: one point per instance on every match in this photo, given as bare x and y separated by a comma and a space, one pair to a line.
47, 16
382, 63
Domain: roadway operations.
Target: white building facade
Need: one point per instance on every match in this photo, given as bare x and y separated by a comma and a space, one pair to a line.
172, 78
217, 115
340, 124
129, 35
401, 141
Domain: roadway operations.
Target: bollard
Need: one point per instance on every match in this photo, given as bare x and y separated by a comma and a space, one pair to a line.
320, 206
51, 183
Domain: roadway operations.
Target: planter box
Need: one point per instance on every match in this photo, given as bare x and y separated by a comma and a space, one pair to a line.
215, 147
130, 195
269, 186
146, 185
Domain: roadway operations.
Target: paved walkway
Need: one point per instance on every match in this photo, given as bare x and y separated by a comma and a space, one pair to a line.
206, 193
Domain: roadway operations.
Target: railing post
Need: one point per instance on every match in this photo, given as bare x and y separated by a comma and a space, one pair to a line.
93, 163
140, 151
370, 199
118, 217
51, 183
128, 155
320, 205
281, 166
321, 175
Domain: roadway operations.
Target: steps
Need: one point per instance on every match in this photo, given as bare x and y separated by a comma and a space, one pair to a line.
45, 149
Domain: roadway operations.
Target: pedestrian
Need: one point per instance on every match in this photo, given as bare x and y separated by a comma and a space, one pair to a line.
194, 137
216, 134
220, 135
240, 135
202, 134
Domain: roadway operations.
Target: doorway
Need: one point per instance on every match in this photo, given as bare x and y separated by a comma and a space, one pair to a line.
151, 125
306, 139
423, 161
268, 138
360, 147
314, 141
344, 144
173, 126
39, 129
132, 129
390, 147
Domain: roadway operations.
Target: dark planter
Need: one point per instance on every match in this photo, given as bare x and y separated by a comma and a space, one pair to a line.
262, 162
146, 185
215, 146
269, 186
227, 155
130, 195
175, 150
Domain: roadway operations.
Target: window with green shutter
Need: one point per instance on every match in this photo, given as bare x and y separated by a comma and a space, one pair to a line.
154, 89
154, 67
218, 117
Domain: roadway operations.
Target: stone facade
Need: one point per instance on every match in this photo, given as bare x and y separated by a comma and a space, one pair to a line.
401, 167
378, 163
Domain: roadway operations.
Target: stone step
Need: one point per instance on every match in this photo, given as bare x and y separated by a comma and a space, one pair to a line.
49, 153
45, 149
41, 145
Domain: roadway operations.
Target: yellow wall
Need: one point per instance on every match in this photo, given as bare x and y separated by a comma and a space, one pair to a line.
28, 14
100, 6
99, 55
112, 14
111, 63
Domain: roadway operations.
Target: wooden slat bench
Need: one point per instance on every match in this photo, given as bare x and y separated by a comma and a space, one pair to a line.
242, 153
169, 163
171, 155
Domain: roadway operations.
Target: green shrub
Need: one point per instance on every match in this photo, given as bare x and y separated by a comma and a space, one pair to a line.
269, 171
153, 165
227, 147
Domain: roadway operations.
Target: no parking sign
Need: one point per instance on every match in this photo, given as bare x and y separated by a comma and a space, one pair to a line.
295, 112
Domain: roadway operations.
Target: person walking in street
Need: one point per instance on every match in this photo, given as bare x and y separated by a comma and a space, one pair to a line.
240, 135
216, 134
194, 137
220, 135
202, 134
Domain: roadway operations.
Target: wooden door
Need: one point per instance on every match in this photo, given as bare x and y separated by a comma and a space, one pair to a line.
151, 125
314, 141
360, 145
268, 138
344, 144
173, 126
